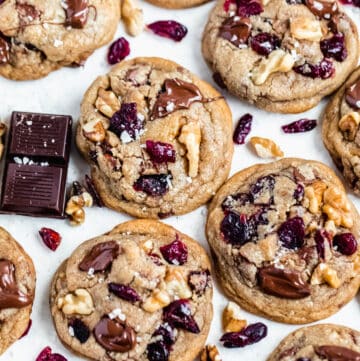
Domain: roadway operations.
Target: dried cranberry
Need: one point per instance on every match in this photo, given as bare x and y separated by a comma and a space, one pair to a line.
50, 237
126, 120
170, 29
167, 334
227, 4
178, 315
246, 8
199, 281
321, 236
263, 184
242, 129
153, 184
47, 355
237, 230
248, 336
81, 331
219, 80
345, 243
175, 253
299, 192
351, 2
27, 329
300, 126
292, 233
125, 292
157, 351
334, 47
160, 152
118, 51
324, 70
265, 43
303, 359
92, 190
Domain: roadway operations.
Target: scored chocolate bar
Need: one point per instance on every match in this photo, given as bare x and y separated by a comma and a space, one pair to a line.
36, 165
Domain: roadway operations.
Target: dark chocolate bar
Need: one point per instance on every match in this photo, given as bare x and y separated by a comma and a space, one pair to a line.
36, 165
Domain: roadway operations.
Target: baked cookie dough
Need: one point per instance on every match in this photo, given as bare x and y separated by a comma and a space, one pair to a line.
284, 239
177, 4
140, 292
158, 138
17, 290
341, 130
38, 36
319, 342
283, 56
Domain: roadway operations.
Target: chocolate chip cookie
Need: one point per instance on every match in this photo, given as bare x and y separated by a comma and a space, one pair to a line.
38, 36
17, 290
177, 4
340, 130
283, 56
140, 292
284, 238
319, 342
158, 138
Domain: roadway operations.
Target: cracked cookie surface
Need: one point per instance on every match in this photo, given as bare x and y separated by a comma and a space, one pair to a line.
158, 139
284, 238
282, 56
38, 36
17, 290
320, 342
139, 292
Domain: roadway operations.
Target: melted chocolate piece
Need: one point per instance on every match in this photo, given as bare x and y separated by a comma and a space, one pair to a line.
337, 353
236, 30
283, 283
4, 51
10, 295
178, 94
77, 12
352, 95
323, 8
100, 257
27, 13
115, 335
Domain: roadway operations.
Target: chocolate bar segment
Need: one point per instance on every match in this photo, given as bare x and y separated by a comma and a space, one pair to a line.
36, 165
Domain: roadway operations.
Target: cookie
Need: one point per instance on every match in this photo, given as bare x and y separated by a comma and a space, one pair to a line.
340, 130
283, 56
37, 37
17, 290
142, 292
177, 4
158, 139
284, 239
319, 342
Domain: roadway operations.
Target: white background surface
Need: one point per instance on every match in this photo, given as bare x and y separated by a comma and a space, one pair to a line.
61, 92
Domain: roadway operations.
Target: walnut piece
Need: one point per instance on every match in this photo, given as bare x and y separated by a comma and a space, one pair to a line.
232, 318
210, 353
133, 17
314, 196
349, 125
107, 102
80, 302
303, 28
266, 148
158, 300
177, 285
74, 207
94, 131
325, 274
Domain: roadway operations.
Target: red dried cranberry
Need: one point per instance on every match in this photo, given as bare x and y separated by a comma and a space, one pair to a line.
299, 192
126, 120
167, 334
321, 236
292, 233
81, 331
303, 359
334, 47
160, 152
27, 329
153, 184
246, 8
199, 281
242, 129
345, 243
50, 237
92, 190
47, 355
351, 2
125, 292
157, 351
300, 126
178, 315
324, 70
118, 51
219, 80
175, 253
248, 336
237, 230
170, 29
265, 43
227, 4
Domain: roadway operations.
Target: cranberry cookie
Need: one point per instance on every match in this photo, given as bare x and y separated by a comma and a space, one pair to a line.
284, 238
319, 342
177, 4
281, 55
39, 36
140, 292
158, 138
17, 290
340, 130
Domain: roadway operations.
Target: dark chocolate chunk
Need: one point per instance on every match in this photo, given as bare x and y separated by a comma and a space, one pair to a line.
337, 353
236, 30
352, 95
77, 12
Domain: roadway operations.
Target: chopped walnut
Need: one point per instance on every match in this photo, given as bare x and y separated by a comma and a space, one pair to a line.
107, 102
303, 28
74, 207
325, 274
132, 17
94, 131
349, 125
266, 148
210, 353
314, 196
233, 320
158, 300
177, 285
80, 302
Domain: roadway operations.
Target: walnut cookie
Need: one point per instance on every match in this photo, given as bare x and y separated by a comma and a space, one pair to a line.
38, 36
319, 342
158, 139
281, 55
340, 130
140, 292
177, 4
284, 238
17, 290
